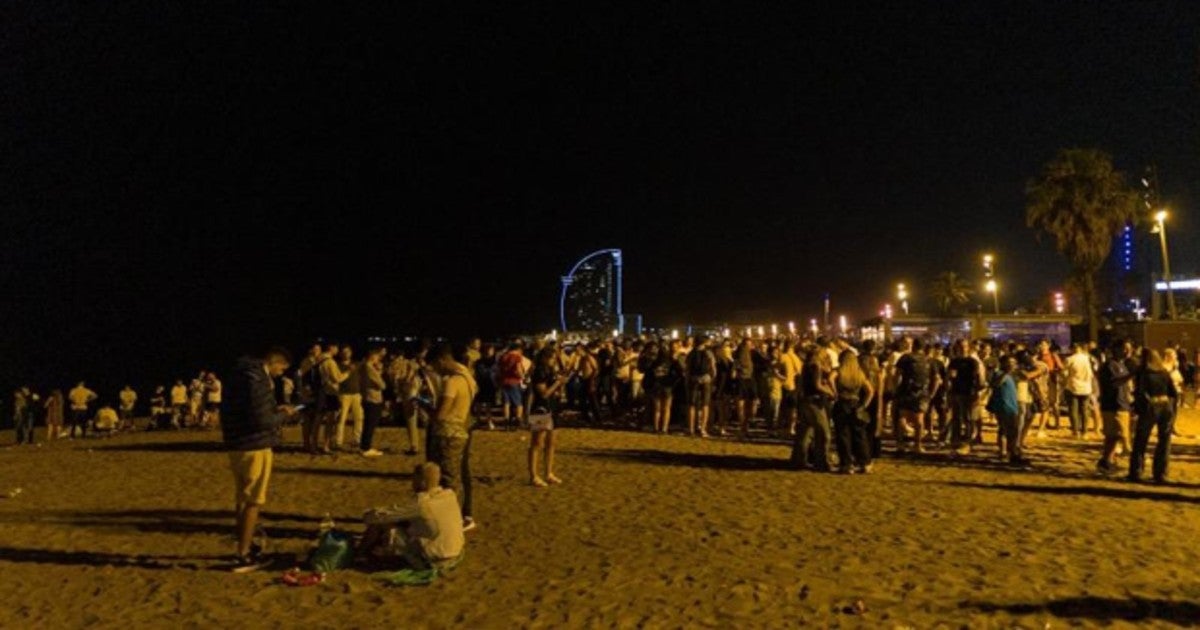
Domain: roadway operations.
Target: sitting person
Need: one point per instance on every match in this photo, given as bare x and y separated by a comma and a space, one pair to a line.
426, 533
106, 420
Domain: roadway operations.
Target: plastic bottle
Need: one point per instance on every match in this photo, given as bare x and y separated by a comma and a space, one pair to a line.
327, 524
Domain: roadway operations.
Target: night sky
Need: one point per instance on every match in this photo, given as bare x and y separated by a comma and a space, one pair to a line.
186, 182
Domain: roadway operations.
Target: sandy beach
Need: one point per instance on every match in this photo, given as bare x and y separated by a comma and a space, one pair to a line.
648, 531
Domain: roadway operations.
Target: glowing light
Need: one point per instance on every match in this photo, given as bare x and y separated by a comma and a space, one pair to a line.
616, 333
1060, 303
774, 330
725, 333
843, 324
792, 327
1160, 216
991, 286
761, 331
674, 333
812, 323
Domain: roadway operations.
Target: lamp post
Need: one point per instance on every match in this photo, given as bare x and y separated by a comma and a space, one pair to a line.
1160, 224
993, 289
902, 295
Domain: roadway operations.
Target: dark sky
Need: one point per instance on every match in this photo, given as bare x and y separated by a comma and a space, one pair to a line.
186, 180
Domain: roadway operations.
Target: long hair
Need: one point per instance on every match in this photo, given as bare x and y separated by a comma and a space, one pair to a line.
850, 375
1152, 360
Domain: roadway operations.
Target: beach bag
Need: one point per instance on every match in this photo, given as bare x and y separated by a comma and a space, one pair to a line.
334, 551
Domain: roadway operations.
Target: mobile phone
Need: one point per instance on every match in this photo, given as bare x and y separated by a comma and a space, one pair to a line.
299, 407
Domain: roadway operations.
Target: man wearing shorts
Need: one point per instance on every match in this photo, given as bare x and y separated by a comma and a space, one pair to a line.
1116, 401
250, 427
511, 370
913, 391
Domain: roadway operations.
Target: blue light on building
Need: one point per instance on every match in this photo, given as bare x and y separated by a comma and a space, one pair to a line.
1127, 248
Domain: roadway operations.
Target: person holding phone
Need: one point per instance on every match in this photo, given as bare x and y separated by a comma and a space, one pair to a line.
545, 389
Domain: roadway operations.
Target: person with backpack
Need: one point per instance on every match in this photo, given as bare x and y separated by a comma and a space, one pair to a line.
1005, 405
701, 372
914, 387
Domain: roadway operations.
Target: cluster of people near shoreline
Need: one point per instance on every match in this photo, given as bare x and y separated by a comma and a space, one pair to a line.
197, 405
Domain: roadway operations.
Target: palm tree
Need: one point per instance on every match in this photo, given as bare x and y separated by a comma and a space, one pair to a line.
950, 293
1083, 203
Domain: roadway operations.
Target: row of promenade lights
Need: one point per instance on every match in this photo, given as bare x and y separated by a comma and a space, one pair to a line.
1060, 302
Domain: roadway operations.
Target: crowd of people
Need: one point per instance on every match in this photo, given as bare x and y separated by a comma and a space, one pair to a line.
834, 402
196, 405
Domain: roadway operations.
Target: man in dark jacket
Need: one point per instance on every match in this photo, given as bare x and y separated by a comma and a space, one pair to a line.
250, 427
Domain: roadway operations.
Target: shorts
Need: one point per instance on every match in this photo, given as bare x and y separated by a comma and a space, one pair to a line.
747, 389
700, 394
511, 395
1116, 424
251, 472
913, 404
212, 406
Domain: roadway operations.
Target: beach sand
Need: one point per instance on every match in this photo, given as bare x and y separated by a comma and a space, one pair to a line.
647, 531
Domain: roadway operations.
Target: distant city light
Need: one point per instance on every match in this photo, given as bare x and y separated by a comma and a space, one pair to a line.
843, 324
1060, 303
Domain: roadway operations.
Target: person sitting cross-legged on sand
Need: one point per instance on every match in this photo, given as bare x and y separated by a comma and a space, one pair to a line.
426, 532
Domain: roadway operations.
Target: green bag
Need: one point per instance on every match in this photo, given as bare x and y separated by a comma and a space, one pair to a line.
334, 551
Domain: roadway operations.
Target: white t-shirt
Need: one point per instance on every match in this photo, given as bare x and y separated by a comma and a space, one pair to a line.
1079, 374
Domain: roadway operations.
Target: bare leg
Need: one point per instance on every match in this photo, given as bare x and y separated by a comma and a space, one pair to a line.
535, 445
247, 520
691, 420
550, 476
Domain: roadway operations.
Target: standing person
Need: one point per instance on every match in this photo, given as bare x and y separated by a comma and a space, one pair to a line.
662, 377
54, 415
869, 363
80, 397
510, 371
328, 401
913, 387
701, 372
349, 397
308, 381
791, 366
23, 414
965, 385
250, 428
810, 446
179, 402
1005, 404
545, 390
1079, 389
1156, 398
158, 408
372, 388
196, 400
747, 403
724, 386
127, 398
408, 379
1049, 355
450, 435
212, 400
589, 381
1116, 403
850, 415
485, 378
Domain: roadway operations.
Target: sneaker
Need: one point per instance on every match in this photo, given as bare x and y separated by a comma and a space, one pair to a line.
372, 453
249, 563
469, 524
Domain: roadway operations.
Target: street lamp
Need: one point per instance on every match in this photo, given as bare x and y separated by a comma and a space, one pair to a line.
902, 295
988, 269
993, 289
1160, 219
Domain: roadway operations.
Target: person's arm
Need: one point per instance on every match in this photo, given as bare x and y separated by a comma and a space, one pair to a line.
866, 400
392, 514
